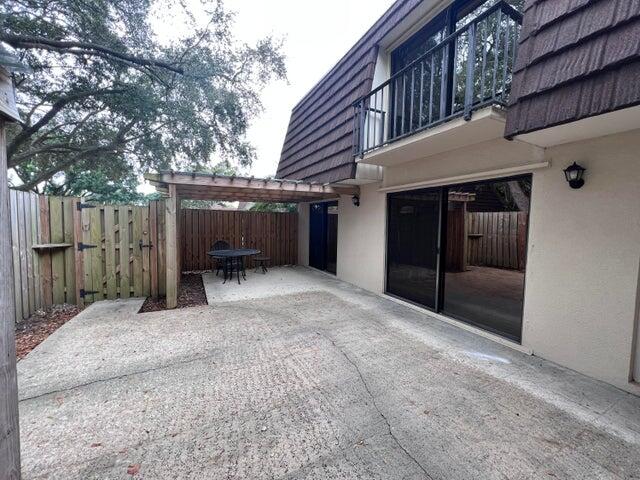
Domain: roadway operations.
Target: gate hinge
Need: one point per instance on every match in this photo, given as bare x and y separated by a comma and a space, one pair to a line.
84, 293
143, 245
81, 205
84, 246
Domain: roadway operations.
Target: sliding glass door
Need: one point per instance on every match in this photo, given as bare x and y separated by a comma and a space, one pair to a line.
481, 229
412, 245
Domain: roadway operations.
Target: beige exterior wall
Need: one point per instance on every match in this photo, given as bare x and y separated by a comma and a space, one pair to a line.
303, 234
584, 254
361, 239
581, 294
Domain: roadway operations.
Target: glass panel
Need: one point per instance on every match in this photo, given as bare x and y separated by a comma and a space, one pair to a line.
411, 92
412, 242
486, 238
465, 15
496, 43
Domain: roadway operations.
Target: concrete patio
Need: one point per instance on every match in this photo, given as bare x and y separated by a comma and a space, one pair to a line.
294, 374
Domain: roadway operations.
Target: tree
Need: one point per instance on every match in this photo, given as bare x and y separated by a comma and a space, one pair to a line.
105, 95
274, 207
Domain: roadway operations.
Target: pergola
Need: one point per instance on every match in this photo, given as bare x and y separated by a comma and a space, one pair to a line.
177, 186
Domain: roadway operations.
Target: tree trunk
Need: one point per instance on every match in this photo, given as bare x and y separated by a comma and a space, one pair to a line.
519, 197
9, 428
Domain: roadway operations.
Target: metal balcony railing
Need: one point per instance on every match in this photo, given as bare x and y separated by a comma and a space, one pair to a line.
470, 69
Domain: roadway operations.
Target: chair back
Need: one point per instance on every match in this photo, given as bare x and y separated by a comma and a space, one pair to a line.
220, 245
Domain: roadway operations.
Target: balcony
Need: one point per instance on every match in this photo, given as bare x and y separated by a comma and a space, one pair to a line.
470, 70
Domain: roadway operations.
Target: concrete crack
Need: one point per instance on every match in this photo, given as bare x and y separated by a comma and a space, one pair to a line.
118, 377
375, 405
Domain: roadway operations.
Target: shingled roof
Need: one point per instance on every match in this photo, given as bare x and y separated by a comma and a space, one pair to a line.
577, 58
319, 142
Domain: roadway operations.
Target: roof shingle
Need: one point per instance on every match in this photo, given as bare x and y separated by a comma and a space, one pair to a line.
574, 60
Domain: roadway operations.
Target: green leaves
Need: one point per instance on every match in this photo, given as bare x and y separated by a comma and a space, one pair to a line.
106, 92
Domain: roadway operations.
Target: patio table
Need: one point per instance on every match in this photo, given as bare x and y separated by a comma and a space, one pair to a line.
229, 255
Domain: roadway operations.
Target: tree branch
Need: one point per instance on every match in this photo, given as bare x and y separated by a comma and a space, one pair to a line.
83, 48
58, 105
48, 173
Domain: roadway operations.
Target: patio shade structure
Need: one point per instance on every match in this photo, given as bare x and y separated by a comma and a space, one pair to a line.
177, 186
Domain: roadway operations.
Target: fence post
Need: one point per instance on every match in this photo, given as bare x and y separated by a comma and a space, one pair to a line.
153, 247
10, 438
171, 226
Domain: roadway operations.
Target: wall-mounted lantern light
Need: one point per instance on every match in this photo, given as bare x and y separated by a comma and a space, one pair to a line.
573, 174
356, 200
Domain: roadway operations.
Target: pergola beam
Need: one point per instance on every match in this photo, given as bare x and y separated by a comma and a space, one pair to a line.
242, 188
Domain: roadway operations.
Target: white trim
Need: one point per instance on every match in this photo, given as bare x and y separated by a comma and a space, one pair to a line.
464, 326
486, 175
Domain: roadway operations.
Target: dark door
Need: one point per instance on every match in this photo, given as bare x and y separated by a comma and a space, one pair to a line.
412, 246
323, 236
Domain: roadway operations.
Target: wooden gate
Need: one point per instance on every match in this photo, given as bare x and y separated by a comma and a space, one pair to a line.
122, 251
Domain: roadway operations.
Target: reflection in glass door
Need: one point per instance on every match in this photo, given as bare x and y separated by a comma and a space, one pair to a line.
481, 228
485, 254
412, 245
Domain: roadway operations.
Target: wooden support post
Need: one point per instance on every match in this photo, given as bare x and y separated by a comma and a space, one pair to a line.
9, 428
171, 226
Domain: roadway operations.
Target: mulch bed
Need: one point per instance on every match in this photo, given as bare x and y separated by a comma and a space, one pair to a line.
32, 332
191, 294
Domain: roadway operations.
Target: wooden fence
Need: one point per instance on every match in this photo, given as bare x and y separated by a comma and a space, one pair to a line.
65, 251
274, 234
497, 239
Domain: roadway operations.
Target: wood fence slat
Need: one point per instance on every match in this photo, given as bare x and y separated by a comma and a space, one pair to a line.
24, 270
15, 249
26, 205
110, 253
153, 250
125, 253
78, 256
162, 277
56, 222
35, 235
69, 254
98, 257
87, 264
146, 279
137, 252
46, 267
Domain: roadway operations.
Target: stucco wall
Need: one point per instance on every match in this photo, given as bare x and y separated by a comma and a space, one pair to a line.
492, 155
303, 234
584, 254
361, 239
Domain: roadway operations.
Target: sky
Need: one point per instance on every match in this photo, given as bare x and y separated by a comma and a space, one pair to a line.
316, 36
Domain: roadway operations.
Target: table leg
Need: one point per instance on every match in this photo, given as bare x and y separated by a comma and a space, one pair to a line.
225, 269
